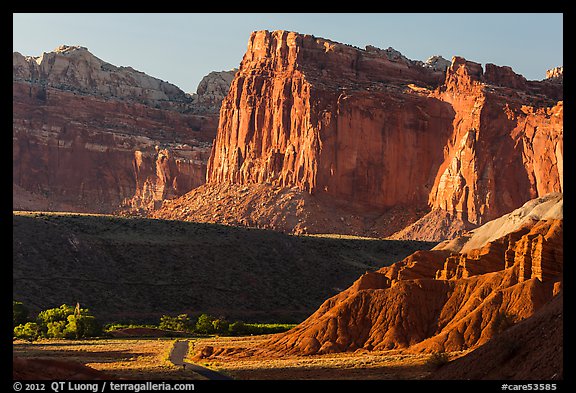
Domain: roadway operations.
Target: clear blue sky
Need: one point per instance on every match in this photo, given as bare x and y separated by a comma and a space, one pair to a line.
182, 48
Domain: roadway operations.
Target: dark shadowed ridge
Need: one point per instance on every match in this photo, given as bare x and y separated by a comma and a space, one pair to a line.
139, 269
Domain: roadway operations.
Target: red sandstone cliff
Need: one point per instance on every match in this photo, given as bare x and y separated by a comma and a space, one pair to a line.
90, 136
368, 131
506, 148
329, 118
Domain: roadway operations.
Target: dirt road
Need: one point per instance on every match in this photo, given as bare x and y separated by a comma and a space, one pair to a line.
179, 352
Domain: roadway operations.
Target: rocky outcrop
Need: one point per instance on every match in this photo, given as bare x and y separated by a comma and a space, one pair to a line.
373, 130
307, 112
440, 300
555, 74
212, 89
436, 62
548, 207
89, 136
74, 68
432, 301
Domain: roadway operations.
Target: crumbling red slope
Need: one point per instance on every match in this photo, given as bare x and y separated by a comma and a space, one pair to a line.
530, 350
441, 300
374, 131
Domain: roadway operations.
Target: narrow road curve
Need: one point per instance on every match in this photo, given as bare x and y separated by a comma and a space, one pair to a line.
179, 352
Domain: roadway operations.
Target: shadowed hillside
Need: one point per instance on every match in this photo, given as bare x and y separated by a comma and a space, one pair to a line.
139, 269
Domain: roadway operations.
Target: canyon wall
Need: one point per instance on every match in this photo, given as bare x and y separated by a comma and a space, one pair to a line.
383, 145
371, 130
506, 147
332, 119
89, 136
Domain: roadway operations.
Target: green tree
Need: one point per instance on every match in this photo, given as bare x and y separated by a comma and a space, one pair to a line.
30, 331
220, 326
55, 314
204, 324
56, 329
82, 326
69, 322
180, 323
237, 328
19, 313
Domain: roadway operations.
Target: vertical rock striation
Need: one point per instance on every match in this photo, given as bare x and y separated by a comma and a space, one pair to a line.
373, 131
330, 118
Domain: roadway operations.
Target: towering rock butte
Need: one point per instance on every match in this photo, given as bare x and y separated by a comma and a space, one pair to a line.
455, 297
90, 136
370, 131
328, 118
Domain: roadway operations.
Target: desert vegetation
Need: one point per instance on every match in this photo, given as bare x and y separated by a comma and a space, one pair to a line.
67, 322
60, 322
134, 270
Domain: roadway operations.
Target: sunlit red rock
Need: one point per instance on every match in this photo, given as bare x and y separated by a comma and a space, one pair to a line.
440, 300
375, 131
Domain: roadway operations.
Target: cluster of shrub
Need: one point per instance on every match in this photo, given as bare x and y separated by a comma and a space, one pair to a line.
207, 324
60, 322
76, 323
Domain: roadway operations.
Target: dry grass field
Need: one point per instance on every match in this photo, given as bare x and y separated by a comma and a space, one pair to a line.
122, 358
147, 359
359, 365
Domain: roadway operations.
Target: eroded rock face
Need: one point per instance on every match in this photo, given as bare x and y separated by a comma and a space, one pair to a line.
75, 68
89, 136
434, 301
439, 300
377, 131
556, 74
308, 112
506, 148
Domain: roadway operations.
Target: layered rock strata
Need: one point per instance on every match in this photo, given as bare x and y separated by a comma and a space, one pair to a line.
90, 136
312, 113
